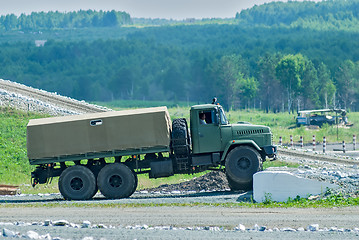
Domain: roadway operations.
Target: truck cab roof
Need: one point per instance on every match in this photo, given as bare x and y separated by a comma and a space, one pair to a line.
204, 106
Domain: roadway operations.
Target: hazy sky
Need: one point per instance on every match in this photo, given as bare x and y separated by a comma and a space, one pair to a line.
176, 9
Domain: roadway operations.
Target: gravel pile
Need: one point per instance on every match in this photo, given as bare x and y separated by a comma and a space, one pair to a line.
346, 176
212, 181
20, 102
26, 98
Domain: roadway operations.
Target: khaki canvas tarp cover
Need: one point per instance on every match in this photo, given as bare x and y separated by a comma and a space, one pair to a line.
98, 132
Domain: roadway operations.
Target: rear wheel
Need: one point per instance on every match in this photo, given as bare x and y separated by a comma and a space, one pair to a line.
116, 181
241, 163
77, 183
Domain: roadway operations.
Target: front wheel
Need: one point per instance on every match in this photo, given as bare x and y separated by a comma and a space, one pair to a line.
77, 183
116, 181
241, 163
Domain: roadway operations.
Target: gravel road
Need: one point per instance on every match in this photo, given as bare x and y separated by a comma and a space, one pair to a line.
183, 222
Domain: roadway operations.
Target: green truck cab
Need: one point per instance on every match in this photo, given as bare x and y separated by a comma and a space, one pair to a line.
106, 151
242, 147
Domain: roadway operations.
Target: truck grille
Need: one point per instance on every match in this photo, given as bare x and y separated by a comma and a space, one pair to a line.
248, 132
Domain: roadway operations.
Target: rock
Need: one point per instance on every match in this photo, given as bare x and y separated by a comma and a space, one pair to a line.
8, 233
86, 224
60, 223
313, 227
88, 238
47, 223
262, 228
241, 227
288, 229
47, 236
279, 186
32, 235
102, 226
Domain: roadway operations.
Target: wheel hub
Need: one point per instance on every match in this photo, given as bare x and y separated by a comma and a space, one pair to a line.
243, 163
115, 181
76, 183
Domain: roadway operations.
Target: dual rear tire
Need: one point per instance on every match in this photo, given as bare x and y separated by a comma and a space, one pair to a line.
114, 181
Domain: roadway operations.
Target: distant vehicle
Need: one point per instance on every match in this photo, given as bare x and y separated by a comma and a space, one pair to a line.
321, 116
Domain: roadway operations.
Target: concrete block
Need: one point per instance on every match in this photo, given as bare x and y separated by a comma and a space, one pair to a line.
280, 185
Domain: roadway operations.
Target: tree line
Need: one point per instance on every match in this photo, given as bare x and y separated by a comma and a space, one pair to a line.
55, 20
323, 15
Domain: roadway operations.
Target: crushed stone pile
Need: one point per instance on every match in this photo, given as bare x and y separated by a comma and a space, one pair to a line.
24, 103
32, 102
212, 181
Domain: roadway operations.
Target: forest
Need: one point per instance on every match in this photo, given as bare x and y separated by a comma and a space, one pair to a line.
276, 56
53, 20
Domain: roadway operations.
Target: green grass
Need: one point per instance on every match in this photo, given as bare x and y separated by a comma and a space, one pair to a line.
14, 165
278, 163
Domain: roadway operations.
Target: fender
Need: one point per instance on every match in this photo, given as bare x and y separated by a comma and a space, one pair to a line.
238, 143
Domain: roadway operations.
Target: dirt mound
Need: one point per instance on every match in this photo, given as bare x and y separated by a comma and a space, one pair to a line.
212, 181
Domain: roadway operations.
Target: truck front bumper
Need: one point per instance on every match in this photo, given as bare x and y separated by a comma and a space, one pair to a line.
271, 152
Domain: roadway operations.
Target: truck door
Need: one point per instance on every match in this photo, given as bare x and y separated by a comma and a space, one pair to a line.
209, 133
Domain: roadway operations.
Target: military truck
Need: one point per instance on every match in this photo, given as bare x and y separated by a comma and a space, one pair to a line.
106, 151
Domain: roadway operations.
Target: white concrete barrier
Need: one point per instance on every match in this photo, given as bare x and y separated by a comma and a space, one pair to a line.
280, 185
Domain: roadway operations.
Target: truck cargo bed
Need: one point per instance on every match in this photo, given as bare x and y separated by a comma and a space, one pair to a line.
98, 135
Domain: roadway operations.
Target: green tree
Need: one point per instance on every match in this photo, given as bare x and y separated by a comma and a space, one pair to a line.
326, 87
248, 88
228, 78
268, 83
309, 86
10, 22
290, 71
345, 82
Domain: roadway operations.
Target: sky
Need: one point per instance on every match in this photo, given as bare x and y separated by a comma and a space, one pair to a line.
175, 9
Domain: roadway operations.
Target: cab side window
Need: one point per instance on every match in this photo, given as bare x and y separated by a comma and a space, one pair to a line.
205, 117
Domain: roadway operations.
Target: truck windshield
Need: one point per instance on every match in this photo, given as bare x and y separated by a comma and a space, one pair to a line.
224, 120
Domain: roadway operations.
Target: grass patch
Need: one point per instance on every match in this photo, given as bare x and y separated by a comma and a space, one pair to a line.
278, 163
329, 202
14, 165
